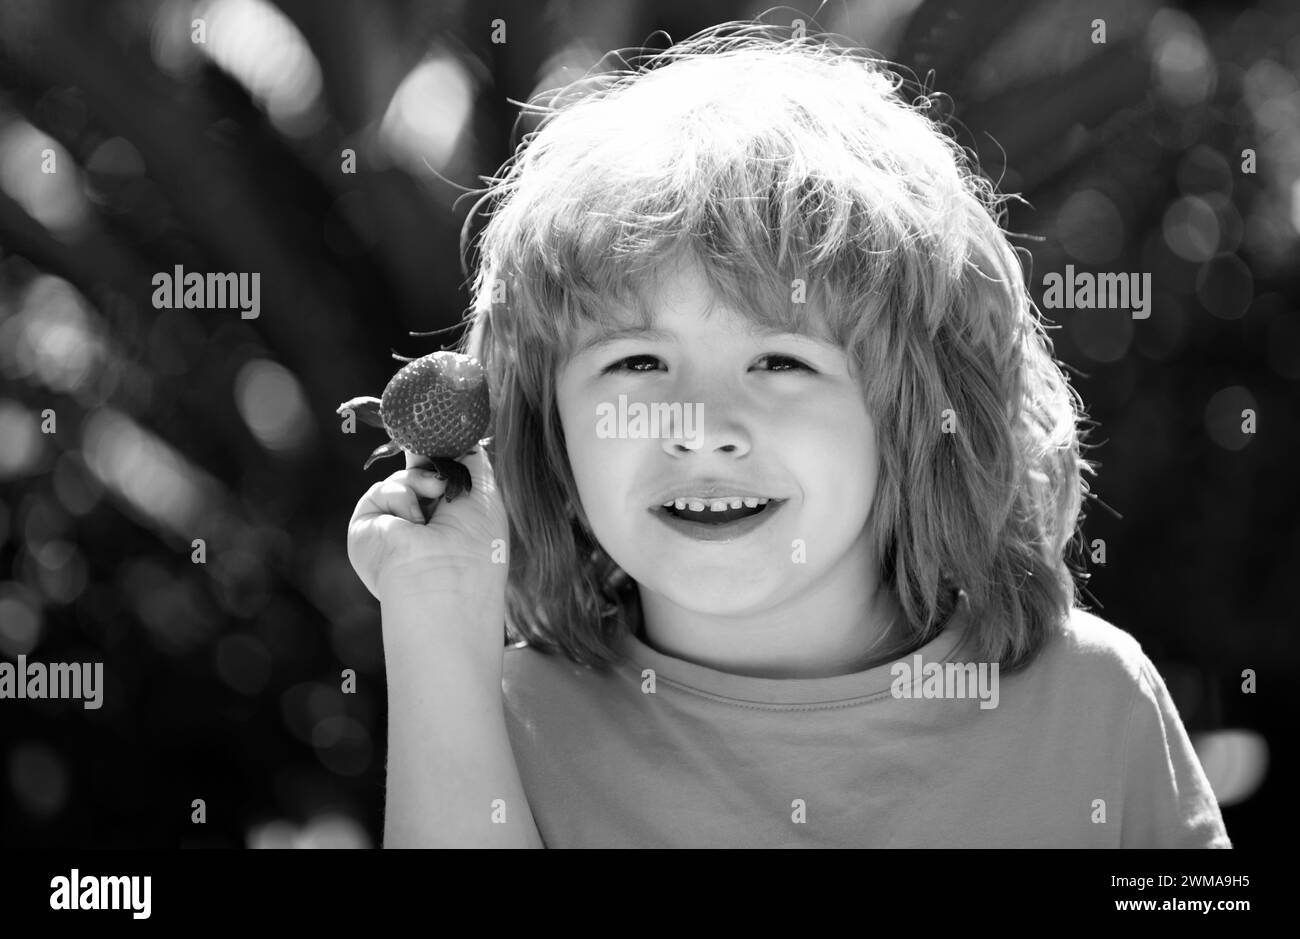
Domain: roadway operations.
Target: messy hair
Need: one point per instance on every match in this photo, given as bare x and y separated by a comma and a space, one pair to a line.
776, 162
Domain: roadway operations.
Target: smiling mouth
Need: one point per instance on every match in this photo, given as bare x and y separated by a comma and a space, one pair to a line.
709, 517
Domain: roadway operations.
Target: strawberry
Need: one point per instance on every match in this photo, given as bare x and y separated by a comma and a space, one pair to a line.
436, 407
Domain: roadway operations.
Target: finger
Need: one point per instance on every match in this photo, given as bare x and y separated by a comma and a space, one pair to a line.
414, 460
391, 498
426, 482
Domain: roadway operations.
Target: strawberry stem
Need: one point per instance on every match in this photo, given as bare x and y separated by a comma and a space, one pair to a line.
366, 409
382, 452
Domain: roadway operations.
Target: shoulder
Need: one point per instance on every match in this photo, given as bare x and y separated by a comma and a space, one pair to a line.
530, 674
1093, 664
1096, 650
1166, 800
525, 666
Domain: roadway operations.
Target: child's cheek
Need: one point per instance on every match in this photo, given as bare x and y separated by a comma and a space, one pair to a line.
832, 444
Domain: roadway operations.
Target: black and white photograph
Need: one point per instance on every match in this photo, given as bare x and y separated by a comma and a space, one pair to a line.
649, 425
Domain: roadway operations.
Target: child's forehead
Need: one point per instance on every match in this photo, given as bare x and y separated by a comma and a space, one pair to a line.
684, 292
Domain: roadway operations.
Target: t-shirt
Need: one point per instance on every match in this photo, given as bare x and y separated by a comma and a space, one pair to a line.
1083, 748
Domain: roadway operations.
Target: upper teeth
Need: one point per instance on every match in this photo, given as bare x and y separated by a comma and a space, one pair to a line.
716, 505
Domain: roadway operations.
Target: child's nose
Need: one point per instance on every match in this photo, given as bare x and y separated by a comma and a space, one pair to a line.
705, 427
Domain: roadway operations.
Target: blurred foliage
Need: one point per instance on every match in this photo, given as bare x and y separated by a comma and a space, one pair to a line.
231, 154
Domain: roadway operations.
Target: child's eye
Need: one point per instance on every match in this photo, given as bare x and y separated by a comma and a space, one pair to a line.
785, 358
621, 364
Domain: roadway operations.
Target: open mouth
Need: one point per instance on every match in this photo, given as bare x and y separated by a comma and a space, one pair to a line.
707, 516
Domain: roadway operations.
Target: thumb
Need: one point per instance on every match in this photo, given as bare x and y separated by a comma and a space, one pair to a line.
479, 465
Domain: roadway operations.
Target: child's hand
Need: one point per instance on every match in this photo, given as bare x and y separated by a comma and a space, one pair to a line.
442, 585
460, 549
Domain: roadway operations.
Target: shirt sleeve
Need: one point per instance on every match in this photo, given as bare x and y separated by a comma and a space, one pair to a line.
1168, 802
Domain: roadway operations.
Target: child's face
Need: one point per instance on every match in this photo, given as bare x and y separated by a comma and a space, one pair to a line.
766, 427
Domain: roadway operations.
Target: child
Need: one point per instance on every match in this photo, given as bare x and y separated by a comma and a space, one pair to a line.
823, 600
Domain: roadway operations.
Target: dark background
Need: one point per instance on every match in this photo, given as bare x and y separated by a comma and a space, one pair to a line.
223, 678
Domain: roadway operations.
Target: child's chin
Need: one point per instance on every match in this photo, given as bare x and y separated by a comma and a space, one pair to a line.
717, 592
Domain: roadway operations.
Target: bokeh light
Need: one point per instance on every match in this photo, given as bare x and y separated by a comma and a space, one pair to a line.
1102, 335
1090, 227
38, 778
1184, 69
1235, 763
1229, 416
343, 744
263, 50
176, 613
58, 569
1204, 169
144, 470
1192, 229
328, 830
429, 111
1225, 286
272, 404
20, 430
52, 338
38, 174
240, 580
21, 619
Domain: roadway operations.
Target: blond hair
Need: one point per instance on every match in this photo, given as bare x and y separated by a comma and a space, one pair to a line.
773, 161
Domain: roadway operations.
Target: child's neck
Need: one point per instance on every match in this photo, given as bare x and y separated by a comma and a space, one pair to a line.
885, 626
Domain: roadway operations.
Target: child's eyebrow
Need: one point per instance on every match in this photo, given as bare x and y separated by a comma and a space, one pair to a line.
614, 333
